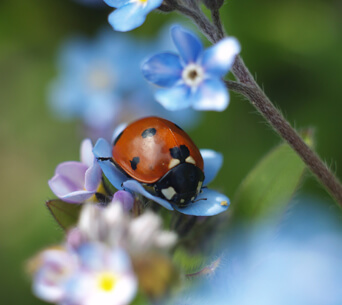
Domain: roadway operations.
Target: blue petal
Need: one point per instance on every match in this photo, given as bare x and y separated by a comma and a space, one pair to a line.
187, 44
175, 98
127, 18
77, 197
101, 111
215, 203
212, 163
212, 94
135, 186
218, 59
131, 15
163, 69
103, 150
116, 3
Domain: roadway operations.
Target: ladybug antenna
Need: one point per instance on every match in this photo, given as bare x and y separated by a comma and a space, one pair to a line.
199, 199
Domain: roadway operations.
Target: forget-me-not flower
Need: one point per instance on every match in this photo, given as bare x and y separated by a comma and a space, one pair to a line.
99, 82
207, 203
92, 274
194, 77
130, 14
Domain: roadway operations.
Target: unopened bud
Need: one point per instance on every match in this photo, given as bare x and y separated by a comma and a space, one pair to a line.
213, 4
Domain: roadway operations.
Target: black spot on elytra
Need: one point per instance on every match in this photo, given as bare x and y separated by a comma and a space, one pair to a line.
149, 132
118, 137
178, 127
180, 153
134, 163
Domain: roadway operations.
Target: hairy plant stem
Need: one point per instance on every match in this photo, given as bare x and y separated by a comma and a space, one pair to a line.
248, 87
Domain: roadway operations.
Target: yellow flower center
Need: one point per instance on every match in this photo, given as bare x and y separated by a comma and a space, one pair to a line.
107, 281
143, 1
99, 78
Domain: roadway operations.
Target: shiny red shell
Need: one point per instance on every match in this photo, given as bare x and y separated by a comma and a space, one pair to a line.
142, 150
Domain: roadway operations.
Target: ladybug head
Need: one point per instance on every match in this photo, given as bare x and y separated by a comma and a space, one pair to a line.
181, 184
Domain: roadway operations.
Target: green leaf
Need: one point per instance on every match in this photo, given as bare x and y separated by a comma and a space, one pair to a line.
268, 188
66, 214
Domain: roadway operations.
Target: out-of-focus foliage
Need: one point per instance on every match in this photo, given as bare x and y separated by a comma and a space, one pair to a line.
267, 189
293, 47
65, 214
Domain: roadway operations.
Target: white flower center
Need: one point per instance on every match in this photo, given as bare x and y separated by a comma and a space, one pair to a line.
106, 281
193, 75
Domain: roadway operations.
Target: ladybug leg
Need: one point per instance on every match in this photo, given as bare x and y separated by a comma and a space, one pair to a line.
203, 187
104, 159
199, 200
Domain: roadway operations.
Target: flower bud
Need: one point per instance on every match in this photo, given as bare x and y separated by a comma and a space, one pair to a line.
213, 4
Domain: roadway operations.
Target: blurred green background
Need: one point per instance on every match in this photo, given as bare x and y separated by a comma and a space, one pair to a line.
293, 48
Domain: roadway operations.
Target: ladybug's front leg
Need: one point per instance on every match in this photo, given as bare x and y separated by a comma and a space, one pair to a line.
105, 159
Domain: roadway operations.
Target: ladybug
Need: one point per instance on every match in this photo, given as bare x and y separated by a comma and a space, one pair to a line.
162, 157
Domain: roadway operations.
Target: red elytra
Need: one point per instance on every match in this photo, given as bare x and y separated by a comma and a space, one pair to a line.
143, 149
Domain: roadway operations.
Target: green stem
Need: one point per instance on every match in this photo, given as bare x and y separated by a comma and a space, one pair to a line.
248, 87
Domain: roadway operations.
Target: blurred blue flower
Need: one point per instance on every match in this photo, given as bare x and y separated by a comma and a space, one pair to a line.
213, 203
298, 262
193, 78
100, 82
130, 14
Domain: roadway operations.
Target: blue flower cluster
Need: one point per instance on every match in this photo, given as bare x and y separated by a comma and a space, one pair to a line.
99, 82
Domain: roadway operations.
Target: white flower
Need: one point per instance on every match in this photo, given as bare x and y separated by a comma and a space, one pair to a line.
116, 228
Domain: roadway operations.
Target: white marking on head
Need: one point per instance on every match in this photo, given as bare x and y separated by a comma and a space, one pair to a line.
169, 192
182, 200
173, 163
190, 160
199, 186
